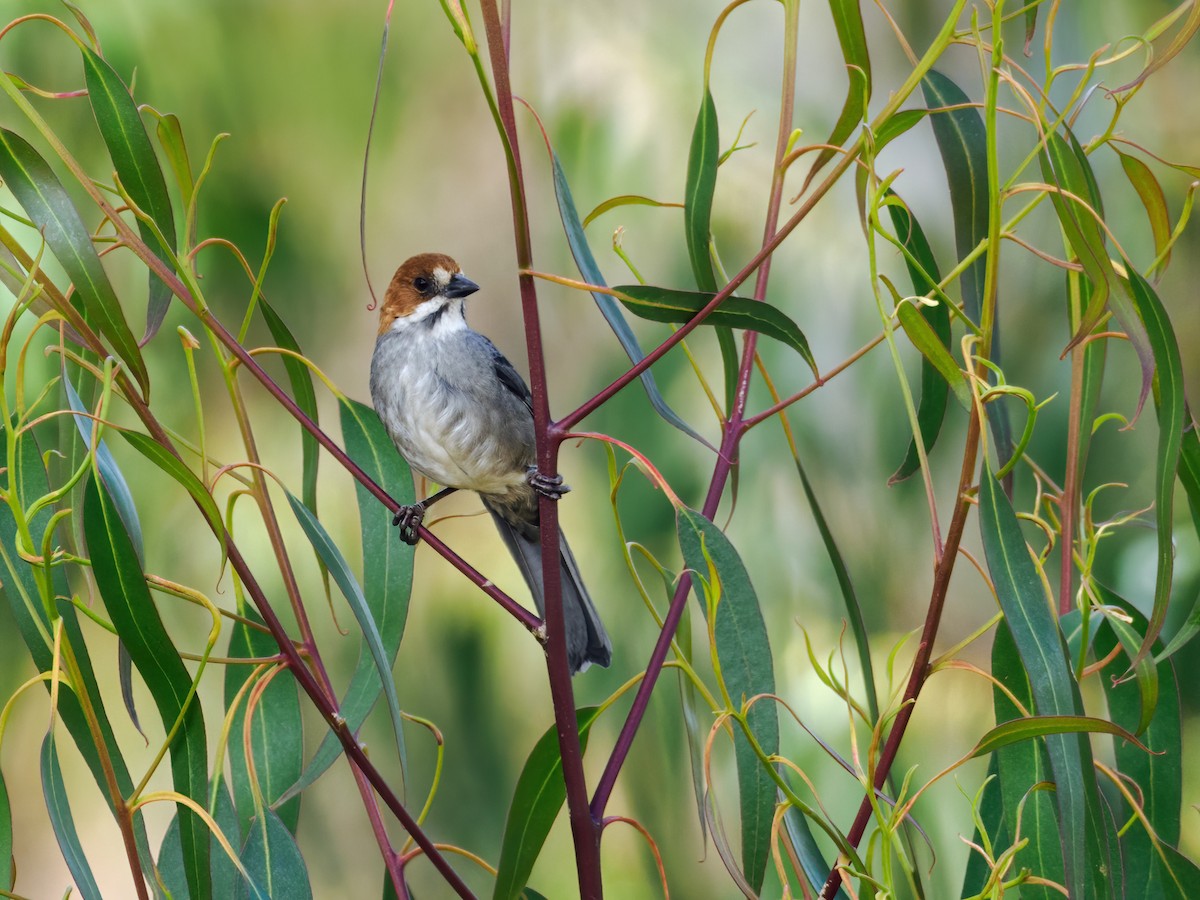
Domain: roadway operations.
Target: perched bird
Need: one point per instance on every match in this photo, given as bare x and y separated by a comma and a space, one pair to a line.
461, 415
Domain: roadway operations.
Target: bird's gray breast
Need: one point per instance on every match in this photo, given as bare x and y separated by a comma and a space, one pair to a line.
438, 395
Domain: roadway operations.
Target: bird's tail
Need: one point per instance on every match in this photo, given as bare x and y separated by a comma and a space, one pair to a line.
587, 641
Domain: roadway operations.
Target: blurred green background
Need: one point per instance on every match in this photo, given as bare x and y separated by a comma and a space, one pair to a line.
617, 85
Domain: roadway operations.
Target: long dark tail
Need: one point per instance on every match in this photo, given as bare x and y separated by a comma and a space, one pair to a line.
587, 641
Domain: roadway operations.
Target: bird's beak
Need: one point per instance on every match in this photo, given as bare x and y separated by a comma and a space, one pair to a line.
460, 286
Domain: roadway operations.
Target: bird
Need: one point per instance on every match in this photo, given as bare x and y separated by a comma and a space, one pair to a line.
462, 416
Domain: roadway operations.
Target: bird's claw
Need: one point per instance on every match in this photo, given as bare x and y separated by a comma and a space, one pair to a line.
408, 520
547, 485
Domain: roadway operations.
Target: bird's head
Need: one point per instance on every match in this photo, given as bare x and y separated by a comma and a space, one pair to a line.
423, 286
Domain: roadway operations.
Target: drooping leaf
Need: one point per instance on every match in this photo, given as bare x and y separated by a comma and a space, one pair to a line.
387, 569
615, 202
747, 670
276, 732
676, 307
1154, 201
925, 339
1044, 656
847, 19
923, 270
348, 585
131, 609
1029, 727
1157, 773
1168, 398
703, 160
539, 795
274, 861
48, 205
173, 466
137, 166
63, 822
812, 860
6, 839
962, 142
1065, 166
586, 263
25, 475
225, 876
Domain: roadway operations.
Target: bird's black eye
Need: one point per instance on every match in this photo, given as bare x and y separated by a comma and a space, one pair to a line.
421, 284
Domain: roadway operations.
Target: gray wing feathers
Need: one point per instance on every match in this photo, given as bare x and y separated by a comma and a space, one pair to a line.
587, 641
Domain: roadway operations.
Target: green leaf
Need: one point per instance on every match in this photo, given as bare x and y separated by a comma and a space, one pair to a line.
225, 876
812, 860
586, 263
132, 611
1151, 194
703, 159
305, 396
47, 203
114, 480
348, 585
923, 270
173, 466
962, 142
610, 204
25, 476
1019, 768
990, 816
274, 861
63, 822
1065, 166
1029, 727
676, 307
925, 339
1031, 14
896, 125
137, 166
747, 670
276, 732
170, 136
539, 795
847, 19
1157, 775
1168, 397
7, 875
387, 569
1043, 653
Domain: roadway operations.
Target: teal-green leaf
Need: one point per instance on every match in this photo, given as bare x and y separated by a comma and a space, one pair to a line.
1043, 654
387, 569
348, 585
63, 822
225, 876
274, 861
923, 270
586, 263
1169, 400
48, 205
748, 670
133, 155
276, 732
131, 609
962, 142
539, 795
812, 860
676, 307
1029, 727
1157, 775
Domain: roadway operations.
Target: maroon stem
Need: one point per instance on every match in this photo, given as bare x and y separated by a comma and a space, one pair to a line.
920, 666
585, 830
734, 427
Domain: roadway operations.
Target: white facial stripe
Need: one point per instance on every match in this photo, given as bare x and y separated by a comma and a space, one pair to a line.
442, 277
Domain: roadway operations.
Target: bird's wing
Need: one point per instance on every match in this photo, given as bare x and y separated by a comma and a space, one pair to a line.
510, 377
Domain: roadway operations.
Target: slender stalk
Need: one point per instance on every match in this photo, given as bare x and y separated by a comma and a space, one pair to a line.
733, 429
585, 830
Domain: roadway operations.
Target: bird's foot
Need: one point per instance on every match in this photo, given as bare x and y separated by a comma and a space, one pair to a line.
408, 520
547, 485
